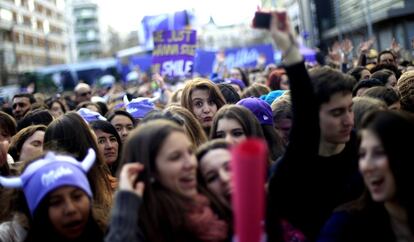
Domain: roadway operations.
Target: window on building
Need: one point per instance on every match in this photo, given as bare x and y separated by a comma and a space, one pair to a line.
31, 5
26, 21
91, 35
46, 27
16, 37
6, 15
60, 4
41, 43
38, 8
39, 24
28, 40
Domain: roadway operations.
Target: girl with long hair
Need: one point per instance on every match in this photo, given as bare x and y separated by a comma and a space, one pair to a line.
159, 181
203, 99
71, 134
385, 212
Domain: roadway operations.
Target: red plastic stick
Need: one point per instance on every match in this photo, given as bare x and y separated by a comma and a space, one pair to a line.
248, 166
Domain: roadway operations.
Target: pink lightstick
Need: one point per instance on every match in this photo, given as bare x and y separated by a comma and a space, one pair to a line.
248, 165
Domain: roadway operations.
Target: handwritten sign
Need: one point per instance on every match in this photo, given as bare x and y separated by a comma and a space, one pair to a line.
174, 52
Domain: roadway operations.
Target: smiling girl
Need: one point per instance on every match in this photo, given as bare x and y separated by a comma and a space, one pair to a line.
58, 198
385, 212
159, 181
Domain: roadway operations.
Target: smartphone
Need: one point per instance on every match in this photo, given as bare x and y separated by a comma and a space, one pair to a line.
261, 20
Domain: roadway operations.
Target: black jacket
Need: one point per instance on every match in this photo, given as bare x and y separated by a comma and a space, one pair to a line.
305, 187
371, 223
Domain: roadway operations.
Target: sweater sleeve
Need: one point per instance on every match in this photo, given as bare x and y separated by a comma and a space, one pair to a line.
335, 229
305, 132
124, 219
283, 196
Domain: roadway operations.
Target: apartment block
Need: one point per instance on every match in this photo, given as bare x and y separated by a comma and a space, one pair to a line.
87, 29
33, 33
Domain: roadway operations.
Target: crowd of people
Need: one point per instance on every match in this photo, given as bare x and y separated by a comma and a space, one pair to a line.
151, 161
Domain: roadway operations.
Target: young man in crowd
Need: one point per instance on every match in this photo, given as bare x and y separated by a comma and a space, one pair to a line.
319, 170
21, 104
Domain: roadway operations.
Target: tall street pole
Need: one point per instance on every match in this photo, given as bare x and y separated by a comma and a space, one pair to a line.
368, 18
338, 19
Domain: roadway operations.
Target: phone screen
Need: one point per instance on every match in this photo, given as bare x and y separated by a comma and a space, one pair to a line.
261, 20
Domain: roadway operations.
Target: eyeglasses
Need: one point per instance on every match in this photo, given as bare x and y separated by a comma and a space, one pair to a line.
84, 94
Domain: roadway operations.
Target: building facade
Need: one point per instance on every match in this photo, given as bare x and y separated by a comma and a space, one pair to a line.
33, 33
302, 17
87, 30
356, 19
213, 37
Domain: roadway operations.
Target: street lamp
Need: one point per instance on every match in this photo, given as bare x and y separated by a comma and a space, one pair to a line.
338, 19
8, 58
46, 30
368, 17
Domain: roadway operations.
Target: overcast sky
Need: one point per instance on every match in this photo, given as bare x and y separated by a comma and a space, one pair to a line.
125, 15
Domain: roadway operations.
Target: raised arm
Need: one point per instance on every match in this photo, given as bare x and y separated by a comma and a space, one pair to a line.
304, 136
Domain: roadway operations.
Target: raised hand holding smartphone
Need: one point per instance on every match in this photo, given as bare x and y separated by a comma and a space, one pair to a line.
262, 20
284, 37
281, 20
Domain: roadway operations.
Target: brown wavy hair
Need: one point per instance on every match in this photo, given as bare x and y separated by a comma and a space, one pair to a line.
163, 215
70, 134
203, 84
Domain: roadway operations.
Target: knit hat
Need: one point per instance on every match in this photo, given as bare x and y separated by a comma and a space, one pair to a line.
89, 115
273, 95
139, 107
49, 173
259, 108
405, 86
372, 53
